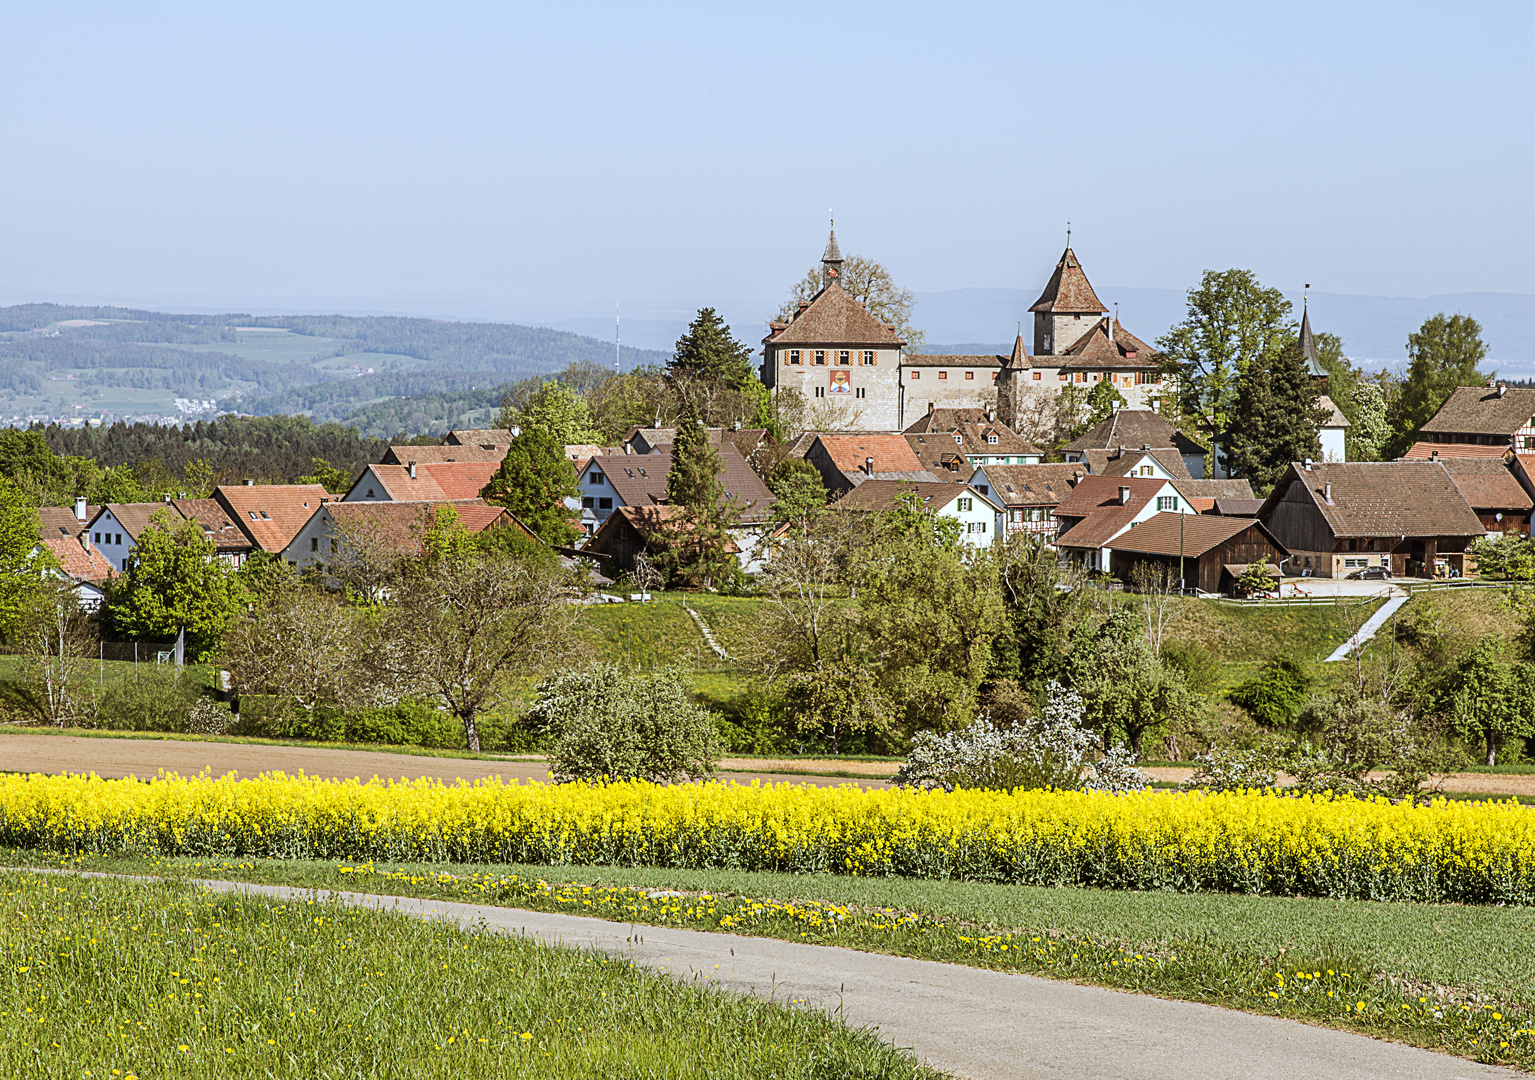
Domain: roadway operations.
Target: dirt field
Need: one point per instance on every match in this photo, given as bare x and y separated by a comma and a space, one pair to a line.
1479, 783
115, 758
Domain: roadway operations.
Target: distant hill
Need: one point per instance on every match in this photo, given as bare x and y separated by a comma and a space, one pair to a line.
1374, 329
60, 363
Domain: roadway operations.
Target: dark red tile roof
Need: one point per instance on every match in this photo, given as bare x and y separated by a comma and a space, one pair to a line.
1437, 451
1068, 290
80, 561
1381, 498
1483, 410
1032, 485
272, 514
1488, 484
1134, 429
835, 318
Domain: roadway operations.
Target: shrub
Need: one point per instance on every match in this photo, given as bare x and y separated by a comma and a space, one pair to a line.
609, 723
1047, 751
1275, 695
1196, 661
405, 723
158, 698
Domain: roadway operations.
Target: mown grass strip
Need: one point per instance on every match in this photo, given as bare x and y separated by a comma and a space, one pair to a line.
1450, 978
110, 978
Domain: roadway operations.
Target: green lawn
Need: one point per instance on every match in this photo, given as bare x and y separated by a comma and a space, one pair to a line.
110, 978
1220, 949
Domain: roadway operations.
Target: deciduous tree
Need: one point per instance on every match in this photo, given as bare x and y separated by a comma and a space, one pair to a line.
1442, 354
175, 582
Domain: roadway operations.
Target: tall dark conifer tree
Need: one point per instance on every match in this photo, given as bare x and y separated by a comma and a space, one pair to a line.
695, 542
1276, 418
708, 351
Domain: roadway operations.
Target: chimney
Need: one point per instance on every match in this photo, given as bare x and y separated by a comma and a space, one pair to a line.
1433, 455
80, 509
1327, 493
736, 426
85, 542
249, 482
1308, 464
165, 496
868, 465
1124, 495
930, 405
1502, 389
411, 468
991, 415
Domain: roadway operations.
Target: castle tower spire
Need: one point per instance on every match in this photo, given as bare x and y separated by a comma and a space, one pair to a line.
1307, 340
832, 259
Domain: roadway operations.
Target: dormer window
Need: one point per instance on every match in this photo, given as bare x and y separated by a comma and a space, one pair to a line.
991, 440
959, 440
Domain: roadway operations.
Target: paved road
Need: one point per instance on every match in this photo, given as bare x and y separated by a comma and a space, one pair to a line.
974, 1023
116, 758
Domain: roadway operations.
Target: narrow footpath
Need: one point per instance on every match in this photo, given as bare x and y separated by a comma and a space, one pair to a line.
1394, 600
976, 1024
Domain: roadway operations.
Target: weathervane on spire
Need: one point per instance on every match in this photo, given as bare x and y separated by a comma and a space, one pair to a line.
832, 259
1068, 234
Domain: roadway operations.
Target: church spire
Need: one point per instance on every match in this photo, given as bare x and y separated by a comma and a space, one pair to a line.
1308, 341
832, 259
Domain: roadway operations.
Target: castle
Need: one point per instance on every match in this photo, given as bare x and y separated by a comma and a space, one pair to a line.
843, 359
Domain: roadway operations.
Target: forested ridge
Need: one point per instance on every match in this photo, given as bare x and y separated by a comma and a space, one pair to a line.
206, 357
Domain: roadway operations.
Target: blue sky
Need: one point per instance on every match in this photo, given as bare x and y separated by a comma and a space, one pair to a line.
680, 155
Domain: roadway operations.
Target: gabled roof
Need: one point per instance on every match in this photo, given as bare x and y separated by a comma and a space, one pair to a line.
134, 517
501, 437
1487, 484
1097, 493
1215, 489
835, 318
1068, 290
55, 521
1096, 501
1093, 349
640, 480
938, 427
81, 562
1244, 508
1192, 534
400, 525
272, 514
1032, 485
423, 455
877, 496
1381, 498
848, 453
446, 481
1441, 451
1117, 463
1135, 429
217, 523
1020, 354
1483, 410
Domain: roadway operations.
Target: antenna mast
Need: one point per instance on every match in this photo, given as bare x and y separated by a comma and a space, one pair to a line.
615, 338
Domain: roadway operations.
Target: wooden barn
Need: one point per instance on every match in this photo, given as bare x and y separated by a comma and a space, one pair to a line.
1211, 551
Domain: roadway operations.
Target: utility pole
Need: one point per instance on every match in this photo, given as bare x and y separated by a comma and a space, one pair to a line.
1183, 581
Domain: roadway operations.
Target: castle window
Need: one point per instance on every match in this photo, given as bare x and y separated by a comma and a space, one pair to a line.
793, 357
820, 356
994, 375
1036, 376
943, 374
820, 391
858, 391
868, 357
842, 357
916, 375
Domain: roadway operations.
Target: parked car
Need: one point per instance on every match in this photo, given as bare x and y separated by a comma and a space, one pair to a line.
1371, 573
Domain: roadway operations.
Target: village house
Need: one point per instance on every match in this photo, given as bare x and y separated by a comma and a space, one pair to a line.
232, 543
955, 441
978, 514
484, 438
1143, 431
1028, 495
656, 440
1493, 492
1205, 553
85, 568
612, 481
441, 481
115, 529
271, 514
1100, 508
60, 521
1337, 519
336, 530
846, 461
1494, 415
434, 455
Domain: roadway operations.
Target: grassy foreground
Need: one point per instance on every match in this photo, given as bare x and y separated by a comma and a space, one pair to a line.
1447, 977
110, 978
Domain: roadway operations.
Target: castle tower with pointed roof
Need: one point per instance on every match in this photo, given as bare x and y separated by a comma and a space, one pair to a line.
840, 357
1067, 308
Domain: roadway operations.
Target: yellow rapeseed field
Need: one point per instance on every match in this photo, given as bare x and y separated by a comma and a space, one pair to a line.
1249, 842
